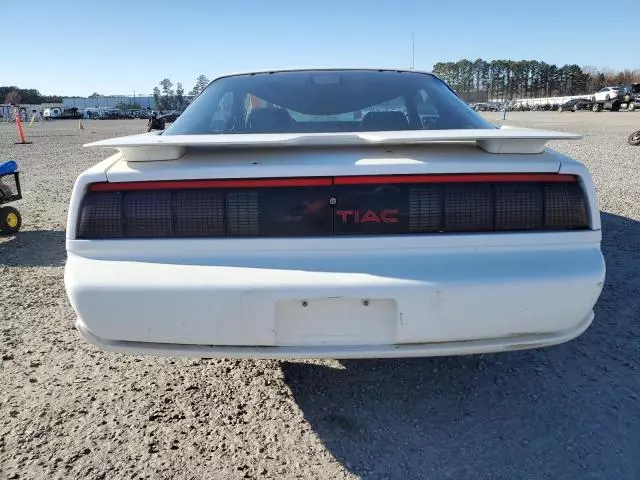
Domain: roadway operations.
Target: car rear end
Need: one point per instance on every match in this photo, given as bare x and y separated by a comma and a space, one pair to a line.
319, 251
366, 264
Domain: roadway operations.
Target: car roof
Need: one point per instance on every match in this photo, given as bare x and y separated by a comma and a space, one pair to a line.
328, 69
315, 69
323, 69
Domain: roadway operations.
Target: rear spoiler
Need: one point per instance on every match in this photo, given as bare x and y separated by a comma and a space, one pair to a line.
154, 146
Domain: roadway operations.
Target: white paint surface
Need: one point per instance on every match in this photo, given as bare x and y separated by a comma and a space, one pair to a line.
427, 294
146, 147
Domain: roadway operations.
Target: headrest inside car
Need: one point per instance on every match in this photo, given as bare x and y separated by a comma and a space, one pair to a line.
269, 120
377, 121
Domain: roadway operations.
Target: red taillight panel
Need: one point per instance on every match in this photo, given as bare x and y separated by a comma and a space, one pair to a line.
225, 183
464, 178
327, 181
326, 206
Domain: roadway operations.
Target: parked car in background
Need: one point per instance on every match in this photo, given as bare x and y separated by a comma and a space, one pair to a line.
52, 113
72, 113
333, 214
575, 104
496, 106
142, 113
159, 121
170, 117
605, 94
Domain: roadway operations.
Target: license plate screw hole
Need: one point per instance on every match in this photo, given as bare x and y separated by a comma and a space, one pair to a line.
305, 303
365, 303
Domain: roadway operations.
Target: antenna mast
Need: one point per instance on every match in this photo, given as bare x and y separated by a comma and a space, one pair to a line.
413, 51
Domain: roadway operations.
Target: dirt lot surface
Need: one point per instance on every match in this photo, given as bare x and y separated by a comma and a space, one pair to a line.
69, 410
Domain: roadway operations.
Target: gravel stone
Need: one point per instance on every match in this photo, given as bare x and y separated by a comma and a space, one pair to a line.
569, 411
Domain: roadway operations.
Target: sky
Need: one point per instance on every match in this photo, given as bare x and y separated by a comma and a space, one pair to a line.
77, 47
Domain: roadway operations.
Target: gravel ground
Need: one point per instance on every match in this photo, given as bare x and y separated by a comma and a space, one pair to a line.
68, 410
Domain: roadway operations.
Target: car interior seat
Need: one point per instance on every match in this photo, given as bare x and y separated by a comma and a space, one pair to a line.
381, 121
269, 120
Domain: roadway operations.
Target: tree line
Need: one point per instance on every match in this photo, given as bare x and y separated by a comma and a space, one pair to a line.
166, 98
17, 95
512, 79
477, 80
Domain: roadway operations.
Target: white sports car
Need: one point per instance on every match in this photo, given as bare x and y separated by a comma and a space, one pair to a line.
605, 94
333, 213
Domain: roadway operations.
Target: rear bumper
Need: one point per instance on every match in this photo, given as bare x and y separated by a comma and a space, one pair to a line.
331, 299
521, 342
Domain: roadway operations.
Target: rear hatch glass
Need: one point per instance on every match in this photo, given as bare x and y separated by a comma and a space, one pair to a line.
320, 101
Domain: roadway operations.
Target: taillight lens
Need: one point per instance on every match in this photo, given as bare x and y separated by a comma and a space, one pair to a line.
341, 206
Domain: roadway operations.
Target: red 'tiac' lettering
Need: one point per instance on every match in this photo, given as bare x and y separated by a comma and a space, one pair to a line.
388, 216
385, 216
344, 214
370, 216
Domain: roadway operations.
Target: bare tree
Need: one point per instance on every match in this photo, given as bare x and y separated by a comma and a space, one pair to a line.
13, 97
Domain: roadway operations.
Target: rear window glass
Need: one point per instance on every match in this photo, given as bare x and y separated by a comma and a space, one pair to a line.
326, 101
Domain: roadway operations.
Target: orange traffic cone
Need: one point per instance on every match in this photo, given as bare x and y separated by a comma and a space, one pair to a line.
20, 131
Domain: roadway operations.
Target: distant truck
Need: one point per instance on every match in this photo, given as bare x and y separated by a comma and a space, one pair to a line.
52, 113
627, 95
61, 113
72, 113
